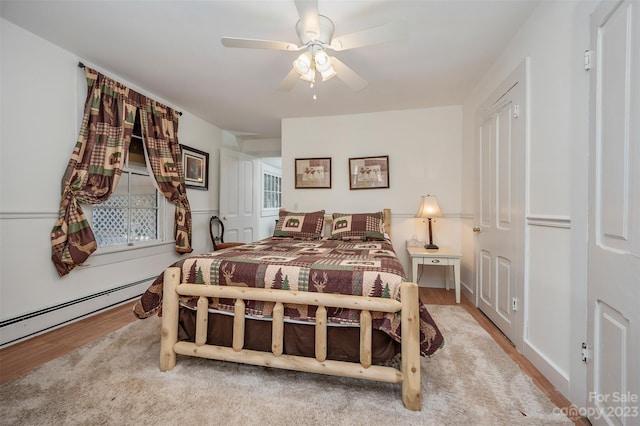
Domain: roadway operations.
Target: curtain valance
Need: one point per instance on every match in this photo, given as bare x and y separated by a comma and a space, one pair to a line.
96, 164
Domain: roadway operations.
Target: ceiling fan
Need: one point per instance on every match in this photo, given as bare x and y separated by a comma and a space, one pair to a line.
315, 32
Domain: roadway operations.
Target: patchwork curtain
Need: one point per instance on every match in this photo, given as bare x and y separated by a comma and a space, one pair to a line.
96, 163
160, 130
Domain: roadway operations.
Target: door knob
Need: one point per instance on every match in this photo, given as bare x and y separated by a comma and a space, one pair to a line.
476, 229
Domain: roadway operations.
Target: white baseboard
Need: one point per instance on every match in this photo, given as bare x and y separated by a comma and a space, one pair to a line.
16, 329
557, 377
468, 292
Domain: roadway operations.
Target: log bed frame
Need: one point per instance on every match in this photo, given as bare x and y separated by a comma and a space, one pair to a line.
409, 374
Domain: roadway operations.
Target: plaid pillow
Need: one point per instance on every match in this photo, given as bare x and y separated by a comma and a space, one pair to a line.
299, 225
357, 226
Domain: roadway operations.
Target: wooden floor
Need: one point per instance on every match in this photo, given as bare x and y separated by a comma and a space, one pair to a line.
22, 357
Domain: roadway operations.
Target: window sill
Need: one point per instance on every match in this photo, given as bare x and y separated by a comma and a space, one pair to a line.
115, 254
269, 212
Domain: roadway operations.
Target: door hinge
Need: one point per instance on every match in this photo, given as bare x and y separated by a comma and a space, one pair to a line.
516, 111
587, 60
514, 304
586, 353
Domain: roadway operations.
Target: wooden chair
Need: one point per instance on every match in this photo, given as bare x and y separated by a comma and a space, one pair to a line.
216, 231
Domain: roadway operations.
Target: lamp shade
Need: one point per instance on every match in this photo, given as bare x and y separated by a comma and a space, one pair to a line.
429, 207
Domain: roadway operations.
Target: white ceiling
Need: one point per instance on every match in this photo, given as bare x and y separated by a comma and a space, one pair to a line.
173, 50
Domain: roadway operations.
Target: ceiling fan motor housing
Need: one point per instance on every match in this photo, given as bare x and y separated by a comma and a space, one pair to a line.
326, 32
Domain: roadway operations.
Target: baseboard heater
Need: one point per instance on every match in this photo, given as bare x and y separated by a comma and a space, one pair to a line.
28, 325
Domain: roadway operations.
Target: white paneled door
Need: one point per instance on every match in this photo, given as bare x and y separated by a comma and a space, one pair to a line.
613, 288
238, 194
501, 205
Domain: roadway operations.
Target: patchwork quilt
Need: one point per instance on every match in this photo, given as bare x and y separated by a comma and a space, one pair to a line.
363, 268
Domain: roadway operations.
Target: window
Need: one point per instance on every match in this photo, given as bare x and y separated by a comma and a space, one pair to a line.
272, 192
132, 214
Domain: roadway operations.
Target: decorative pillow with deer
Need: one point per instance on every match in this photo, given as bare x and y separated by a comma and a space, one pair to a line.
300, 225
357, 226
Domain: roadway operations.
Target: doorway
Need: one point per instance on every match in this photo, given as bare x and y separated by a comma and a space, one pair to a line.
238, 196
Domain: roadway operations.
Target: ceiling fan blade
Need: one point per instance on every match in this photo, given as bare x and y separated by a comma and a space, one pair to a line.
308, 13
349, 76
289, 81
394, 31
251, 43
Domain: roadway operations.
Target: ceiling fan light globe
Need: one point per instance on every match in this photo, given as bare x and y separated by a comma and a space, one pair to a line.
328, 73
322, 60
303, 63
309, 76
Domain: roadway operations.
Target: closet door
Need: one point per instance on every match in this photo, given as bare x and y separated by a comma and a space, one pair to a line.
613, 285
500, 247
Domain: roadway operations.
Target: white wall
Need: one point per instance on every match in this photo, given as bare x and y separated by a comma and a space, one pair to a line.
424, 149
263, 148
43, 92
553, 39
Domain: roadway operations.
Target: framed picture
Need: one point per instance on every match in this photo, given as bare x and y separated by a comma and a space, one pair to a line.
313, 172
369, 172
196, 168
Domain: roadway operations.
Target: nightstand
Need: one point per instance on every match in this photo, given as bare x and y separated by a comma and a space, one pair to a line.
441, 257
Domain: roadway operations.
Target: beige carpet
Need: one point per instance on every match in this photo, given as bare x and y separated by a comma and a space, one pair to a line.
116, 381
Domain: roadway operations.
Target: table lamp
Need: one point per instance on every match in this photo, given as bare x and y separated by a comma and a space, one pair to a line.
429, 208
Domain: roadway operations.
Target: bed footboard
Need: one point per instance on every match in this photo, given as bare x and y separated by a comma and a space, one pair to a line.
409, 374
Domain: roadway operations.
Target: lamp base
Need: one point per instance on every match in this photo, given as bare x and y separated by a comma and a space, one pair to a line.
431, 247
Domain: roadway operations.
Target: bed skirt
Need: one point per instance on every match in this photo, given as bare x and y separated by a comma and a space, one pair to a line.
343, 343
